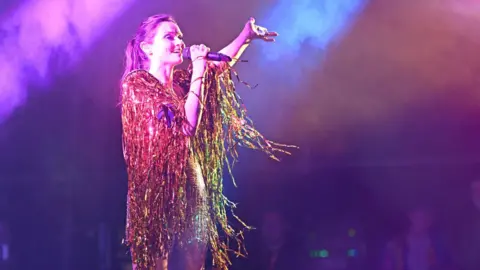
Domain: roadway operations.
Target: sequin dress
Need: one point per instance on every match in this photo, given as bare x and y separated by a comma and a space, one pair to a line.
175, 181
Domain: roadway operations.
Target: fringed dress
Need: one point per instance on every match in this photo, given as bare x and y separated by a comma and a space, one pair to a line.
175, 181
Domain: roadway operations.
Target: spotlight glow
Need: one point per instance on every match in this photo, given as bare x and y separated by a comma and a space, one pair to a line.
39, 30
309, 21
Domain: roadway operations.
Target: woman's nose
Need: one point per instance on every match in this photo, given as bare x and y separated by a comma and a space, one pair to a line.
179, 42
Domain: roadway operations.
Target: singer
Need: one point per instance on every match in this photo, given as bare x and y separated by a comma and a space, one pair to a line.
179, 128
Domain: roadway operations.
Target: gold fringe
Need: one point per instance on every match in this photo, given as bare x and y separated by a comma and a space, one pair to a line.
156, 156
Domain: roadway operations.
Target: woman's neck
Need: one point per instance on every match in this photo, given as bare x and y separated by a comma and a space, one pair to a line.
163, 73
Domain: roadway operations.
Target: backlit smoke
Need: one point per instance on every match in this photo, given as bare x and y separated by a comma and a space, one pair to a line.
308, 24
306, 29
37, 30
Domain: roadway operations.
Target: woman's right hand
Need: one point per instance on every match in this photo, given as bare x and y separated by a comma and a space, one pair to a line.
198, 54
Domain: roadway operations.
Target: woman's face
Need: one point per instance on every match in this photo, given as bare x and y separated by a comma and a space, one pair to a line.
167, 45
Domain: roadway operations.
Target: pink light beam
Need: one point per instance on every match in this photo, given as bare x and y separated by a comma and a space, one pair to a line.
39, 28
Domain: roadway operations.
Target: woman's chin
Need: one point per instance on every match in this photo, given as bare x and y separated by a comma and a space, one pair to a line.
177, 61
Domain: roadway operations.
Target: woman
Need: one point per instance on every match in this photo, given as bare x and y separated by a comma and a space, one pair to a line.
179, 126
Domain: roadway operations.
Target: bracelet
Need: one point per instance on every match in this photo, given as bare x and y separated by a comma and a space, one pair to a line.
196, 79
191, 92
198, 58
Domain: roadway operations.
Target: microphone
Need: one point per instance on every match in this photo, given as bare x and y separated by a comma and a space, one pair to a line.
213, 56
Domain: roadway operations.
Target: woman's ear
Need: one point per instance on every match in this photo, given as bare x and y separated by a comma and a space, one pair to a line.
146, 48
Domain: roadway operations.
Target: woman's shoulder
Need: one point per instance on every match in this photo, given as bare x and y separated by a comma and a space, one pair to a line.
181, 73
182, 77
139, 77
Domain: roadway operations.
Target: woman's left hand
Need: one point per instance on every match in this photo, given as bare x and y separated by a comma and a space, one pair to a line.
253, 31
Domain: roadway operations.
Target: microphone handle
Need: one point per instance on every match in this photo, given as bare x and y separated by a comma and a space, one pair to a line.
212, 56
218, 57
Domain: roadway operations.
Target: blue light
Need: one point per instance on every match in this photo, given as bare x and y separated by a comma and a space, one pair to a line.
352, 253
308, 22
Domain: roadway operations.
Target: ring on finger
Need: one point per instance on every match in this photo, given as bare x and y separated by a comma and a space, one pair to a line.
262, 31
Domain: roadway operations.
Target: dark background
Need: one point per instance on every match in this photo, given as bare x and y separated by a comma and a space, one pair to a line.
385, 116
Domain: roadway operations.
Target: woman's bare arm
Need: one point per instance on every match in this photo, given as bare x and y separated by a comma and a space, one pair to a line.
238, 46
195, 95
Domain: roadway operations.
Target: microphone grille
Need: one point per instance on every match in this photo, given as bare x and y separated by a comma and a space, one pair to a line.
186, 52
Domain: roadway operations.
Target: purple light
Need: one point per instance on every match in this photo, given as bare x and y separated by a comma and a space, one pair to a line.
36, 29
